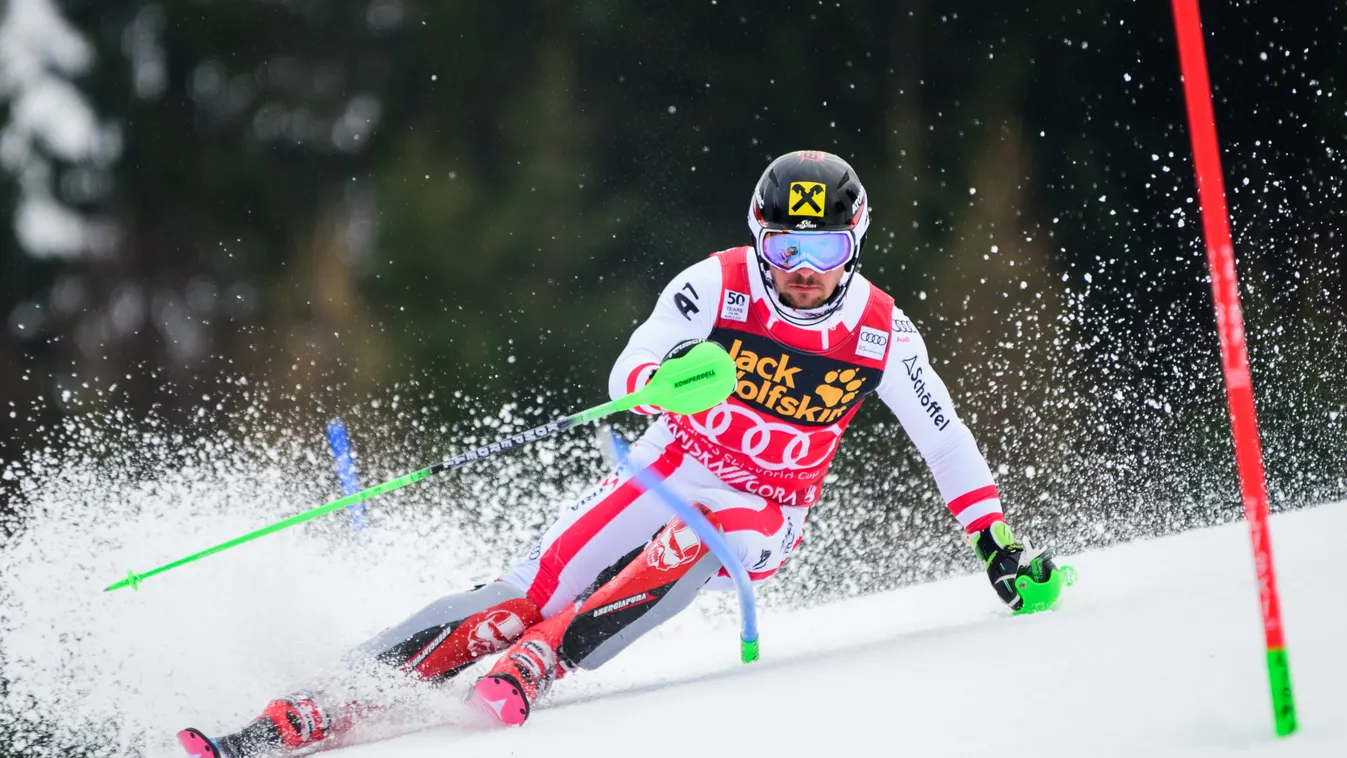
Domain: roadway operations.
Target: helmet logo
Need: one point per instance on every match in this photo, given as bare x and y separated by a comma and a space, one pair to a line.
805, 224
803, 200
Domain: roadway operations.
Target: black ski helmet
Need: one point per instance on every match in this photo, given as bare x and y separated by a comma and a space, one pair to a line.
810, 190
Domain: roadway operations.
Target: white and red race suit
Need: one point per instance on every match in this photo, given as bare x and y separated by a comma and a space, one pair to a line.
759, 458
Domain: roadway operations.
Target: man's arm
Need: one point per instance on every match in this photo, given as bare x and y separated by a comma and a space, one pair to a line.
920, 400
922, 403
686, 310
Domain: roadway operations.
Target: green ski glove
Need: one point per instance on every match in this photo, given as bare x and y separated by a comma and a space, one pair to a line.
1026, 580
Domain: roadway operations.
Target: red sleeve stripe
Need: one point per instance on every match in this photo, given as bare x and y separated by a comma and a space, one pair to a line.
979, 513
635, 380
984, 522
963, 502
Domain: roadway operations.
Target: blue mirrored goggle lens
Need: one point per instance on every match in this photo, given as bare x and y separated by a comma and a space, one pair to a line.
821, 251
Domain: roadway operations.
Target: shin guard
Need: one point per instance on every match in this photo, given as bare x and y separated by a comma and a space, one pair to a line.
449, 634
652, 587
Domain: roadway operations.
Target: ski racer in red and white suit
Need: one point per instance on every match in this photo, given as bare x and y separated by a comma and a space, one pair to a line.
758, 460
811, 338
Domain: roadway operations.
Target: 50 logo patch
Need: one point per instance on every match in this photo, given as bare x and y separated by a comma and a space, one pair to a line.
735, 306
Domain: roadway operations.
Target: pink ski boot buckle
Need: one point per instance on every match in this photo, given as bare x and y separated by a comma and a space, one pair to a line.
197, 744
501, 699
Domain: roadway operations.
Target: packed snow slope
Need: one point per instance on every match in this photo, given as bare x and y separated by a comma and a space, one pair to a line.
1156, 651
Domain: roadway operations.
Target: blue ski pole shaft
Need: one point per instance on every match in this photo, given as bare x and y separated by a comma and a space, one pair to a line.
340, 444
748, 615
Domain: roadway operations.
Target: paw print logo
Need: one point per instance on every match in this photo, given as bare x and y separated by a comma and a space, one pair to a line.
839, 387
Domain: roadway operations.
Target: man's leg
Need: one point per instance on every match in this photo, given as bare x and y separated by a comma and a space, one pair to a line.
607, 522
763, 536
591, 534
449, 634
437, 642
645, 589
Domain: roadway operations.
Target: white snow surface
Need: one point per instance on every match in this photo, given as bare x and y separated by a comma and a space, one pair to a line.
1156, 651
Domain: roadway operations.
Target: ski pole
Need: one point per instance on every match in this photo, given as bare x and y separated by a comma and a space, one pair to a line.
715, 542
702, 378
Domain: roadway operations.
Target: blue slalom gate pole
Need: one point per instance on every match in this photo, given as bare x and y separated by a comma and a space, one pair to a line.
339, 443
748, 614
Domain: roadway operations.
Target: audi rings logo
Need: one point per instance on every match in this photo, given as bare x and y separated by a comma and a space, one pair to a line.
903, 326
872, 343
770, 445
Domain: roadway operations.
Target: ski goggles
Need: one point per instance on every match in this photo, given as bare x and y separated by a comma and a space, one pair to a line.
820, 251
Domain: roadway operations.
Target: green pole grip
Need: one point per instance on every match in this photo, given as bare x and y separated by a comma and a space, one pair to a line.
692, 383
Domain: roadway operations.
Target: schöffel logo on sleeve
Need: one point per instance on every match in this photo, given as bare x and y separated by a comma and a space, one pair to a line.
928, 403
871, 343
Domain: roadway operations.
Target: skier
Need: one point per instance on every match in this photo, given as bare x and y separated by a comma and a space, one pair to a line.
811, 338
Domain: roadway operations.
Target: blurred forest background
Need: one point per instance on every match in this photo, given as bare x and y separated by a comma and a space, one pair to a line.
339, 201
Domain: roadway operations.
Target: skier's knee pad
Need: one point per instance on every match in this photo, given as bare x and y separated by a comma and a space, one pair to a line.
607, 574
449, 634
654, 586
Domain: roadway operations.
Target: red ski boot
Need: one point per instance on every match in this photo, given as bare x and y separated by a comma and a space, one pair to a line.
524, 674
292, 722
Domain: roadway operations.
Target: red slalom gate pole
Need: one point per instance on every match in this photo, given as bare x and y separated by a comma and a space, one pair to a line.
1234, 354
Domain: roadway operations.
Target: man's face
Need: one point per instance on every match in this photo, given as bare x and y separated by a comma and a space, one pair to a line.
806, 288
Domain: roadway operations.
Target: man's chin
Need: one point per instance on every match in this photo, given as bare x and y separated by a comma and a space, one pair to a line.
803, 302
